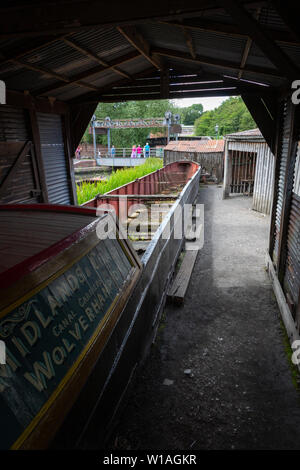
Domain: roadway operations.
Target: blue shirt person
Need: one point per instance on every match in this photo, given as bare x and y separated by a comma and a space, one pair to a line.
147, 150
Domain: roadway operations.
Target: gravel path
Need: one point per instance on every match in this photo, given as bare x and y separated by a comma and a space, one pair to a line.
240, 393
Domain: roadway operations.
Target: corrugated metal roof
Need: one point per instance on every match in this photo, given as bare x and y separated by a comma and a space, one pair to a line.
168, 36
246, 135
109, 44
199, 146
208, 44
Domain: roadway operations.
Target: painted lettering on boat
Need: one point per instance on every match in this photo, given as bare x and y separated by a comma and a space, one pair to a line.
46, 334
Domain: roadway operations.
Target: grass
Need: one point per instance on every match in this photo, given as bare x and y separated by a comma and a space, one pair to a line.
87, 191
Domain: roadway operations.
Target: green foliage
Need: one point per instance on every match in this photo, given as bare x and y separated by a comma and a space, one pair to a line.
87, 191
126, 138
231, 116
190, 114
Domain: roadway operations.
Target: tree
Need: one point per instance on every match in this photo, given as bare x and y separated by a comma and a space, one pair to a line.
191, 113
231, 116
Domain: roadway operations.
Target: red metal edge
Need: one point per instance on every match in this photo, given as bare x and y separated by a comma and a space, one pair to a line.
13, 274
48, 207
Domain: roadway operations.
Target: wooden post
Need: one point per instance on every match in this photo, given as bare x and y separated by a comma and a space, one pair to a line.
227, 171
38, 152
69, 155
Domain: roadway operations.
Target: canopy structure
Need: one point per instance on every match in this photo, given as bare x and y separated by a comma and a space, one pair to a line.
59, 59
83, 52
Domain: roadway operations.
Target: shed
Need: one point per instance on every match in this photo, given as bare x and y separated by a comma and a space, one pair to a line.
208, 153
249, 168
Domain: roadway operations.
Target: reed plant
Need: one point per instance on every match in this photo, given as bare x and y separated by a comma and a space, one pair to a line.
87, 191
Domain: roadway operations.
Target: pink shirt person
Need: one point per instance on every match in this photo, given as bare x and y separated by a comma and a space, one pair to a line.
133, 152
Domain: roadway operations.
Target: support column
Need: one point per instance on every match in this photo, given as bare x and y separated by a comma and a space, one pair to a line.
38, 153
227, 171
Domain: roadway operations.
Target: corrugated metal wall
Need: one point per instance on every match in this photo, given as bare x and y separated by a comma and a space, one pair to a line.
284, 148
264, 179
292, 270
54, 158
253, 161
15, 127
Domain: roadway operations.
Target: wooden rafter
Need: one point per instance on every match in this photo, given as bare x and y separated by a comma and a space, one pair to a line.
138, 42
87, 52
89, 73
158, 88
216, 62
47, 42
247, 48
174, 95
94, 96
189, 42
261, 38
164, 83
50, 73
228, 29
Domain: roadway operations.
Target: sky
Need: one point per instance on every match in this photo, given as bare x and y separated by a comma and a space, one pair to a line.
208, 103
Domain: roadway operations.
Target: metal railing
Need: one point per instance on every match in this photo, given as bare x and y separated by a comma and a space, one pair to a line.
127, 153
119, 153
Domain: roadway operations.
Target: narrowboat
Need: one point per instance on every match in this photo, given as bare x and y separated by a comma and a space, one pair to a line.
78, 311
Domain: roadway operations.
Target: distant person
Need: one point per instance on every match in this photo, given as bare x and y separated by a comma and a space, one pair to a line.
113, 151
147, 150
99, 154
139, 151
133, 152
78, 152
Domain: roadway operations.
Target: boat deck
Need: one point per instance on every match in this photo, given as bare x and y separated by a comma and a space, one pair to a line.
143, 204
27, 231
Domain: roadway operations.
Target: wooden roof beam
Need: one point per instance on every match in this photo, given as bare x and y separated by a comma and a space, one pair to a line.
87, 52
89, 73
216, 62
228, 29
260, 36
50, 73
189, 42
94, 96
131, 34
247, 47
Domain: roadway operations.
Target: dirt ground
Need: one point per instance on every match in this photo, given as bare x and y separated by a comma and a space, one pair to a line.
240, 392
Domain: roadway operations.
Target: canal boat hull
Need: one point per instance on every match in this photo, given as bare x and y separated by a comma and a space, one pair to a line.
78, 406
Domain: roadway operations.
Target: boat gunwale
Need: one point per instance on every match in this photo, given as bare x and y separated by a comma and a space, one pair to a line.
168, 216
110, 193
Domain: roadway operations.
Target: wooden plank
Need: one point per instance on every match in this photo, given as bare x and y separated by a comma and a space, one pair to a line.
181, 282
